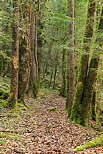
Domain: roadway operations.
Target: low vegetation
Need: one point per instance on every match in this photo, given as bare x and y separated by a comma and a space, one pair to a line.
98, 141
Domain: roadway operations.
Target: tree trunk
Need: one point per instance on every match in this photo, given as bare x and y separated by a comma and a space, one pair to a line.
13, 99
51, 76
63, 88
92, 73
93, 106
76, 114
88, 89
71, 56
55, 68
33, 85
25, 52
1, 66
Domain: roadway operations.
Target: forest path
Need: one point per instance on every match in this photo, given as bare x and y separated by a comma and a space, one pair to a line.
42, 128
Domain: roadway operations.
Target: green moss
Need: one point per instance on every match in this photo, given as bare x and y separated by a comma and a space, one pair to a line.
54, 109
66, 110
22, 106
4, 103
42, 94
98, 141
76, 112
8, 136
3, 135
4, 93
2, 143
13, 114
35, 89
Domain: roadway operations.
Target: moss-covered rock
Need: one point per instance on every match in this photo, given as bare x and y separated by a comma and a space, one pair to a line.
98, 141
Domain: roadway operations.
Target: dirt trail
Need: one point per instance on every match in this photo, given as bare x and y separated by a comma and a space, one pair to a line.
42, 129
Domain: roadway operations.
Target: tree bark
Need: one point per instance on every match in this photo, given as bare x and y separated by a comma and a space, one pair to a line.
63, 88
93, 106
13, 99
71, 56
92, 73
76, 114
25, 52
33, 83
55, 68
88, 89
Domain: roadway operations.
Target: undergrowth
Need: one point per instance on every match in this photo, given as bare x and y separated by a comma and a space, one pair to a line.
98, 141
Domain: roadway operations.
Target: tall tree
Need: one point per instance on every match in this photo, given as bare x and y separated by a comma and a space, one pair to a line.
33, 82
63, 88
25, 50
13, 99
92, 72
71, 57
76, 114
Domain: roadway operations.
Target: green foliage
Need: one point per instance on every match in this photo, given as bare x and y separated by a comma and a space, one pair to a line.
53, 31
98, 141
5, 27
4, 91
5, 56
4, 103
5, 35
4, 137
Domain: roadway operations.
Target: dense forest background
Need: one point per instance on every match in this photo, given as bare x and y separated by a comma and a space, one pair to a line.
55, 45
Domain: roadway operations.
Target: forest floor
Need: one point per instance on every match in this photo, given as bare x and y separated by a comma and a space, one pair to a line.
42, 128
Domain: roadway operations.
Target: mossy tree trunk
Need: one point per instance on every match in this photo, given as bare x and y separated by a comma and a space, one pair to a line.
92, 73
88, 89
33, 83
67, 82
76, 114
1, 65
13, 99
71, 57
51, 77
55, 68
63, 88
93, 106
25, 50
